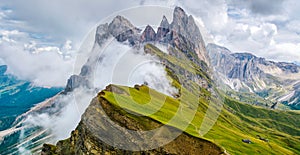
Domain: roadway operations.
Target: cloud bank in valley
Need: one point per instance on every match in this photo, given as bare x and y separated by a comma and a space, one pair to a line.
45, 68
68, 109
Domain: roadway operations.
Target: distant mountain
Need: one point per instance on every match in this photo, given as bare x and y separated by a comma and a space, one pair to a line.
244, 72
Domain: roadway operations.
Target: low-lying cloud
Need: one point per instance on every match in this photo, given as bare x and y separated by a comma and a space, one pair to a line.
43, 67
121, 64
68, 109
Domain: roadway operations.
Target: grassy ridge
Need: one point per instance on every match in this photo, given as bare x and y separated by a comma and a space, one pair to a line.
243, 122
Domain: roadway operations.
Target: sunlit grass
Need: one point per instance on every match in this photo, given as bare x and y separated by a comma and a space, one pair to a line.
229, 129
236, 121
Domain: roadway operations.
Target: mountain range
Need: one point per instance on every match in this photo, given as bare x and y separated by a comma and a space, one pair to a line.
278, 82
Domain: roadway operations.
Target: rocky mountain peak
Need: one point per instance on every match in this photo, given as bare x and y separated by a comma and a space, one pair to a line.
184, 24
148, 34
187, 32
180, 20
179, 16
164, 23
120, 23
163, 29
122, 29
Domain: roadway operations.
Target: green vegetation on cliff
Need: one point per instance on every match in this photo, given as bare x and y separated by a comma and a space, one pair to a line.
237, 121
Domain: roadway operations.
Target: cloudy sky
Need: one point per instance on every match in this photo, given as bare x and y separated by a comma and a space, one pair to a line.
40, 35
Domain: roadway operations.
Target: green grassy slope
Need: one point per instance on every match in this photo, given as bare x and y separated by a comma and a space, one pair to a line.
236, 121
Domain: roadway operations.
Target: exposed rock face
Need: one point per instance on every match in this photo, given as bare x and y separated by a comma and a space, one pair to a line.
246, 72
182, 33
164, 23
244, 67
102, 34
123, 30
94, 126
148, 34
288, 67
186, 34
80, 80
162, 30
76, 81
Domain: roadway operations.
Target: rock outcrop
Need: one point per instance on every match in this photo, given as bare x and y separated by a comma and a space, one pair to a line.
186, 34
162, 30
102, 34
123, 30
148, 34
76, 81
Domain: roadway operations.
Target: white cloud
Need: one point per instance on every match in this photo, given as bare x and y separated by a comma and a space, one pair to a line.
29, 58
212, 12
263, 34
11, 35
120, 64
294, 26
68, 110
44, 66
289, 52
261, 29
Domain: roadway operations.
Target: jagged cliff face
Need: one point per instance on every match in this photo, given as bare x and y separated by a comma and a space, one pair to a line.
246, 72
186, 34
181, 33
